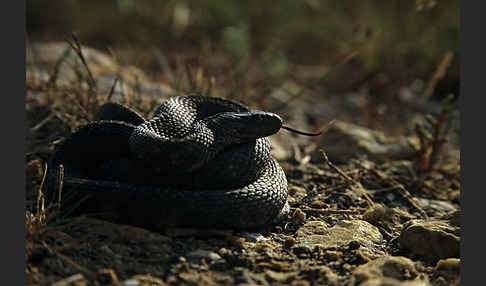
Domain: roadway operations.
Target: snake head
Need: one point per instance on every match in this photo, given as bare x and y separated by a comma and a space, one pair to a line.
248, 125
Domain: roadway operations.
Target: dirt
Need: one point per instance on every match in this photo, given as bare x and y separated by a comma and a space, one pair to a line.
360, 222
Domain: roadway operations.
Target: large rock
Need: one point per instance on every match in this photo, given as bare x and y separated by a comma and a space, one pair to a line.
318, 233
343, 141
388, 270
432, 239
448, 270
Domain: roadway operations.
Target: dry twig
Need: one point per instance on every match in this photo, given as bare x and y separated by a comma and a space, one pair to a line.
405, 193
92, 275
57, 66
112, 90
433, 138
41, 197
60, 182
438, 74
360, 187
42, 123
76, 46
331, 212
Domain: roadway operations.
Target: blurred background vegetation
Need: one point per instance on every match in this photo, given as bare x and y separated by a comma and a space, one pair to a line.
387, 43
401, 38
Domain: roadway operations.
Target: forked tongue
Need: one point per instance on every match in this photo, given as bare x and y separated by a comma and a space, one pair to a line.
301, 132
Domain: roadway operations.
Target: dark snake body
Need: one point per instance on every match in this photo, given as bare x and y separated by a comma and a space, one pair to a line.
198, 162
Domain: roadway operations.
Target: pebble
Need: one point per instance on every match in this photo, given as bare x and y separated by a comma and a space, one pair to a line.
299, 215
449, 270
332, 255
437, 206
384, 281
254, 237
296, 193
201, 253
302, 251
317, 204
281, 277
131, 282
289, 242
449, 264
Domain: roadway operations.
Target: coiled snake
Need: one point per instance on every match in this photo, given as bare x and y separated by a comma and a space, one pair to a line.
200, 161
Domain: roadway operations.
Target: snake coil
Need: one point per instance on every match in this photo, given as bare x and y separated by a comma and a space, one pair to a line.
200, 162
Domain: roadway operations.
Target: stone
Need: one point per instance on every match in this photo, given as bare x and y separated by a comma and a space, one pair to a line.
201, 253
318, 233
253, 237
190, 277
390, 219
395, 267
317, 204
280, 277
384, 281
436, 207
245, 277
450, 270
289, 242
344, 141
320, 275
300, 283
299, 215
302, 251
431, 239
131, 282
332, 255
449, 264
297, 192
224, 251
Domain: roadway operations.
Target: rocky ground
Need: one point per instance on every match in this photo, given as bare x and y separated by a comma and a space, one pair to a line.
367, 208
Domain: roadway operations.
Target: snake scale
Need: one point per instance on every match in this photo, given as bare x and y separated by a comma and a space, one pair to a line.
199, 162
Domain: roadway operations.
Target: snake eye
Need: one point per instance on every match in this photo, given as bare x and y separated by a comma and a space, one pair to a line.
268, 122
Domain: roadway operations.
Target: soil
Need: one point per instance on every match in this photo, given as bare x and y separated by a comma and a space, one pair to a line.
359, 222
